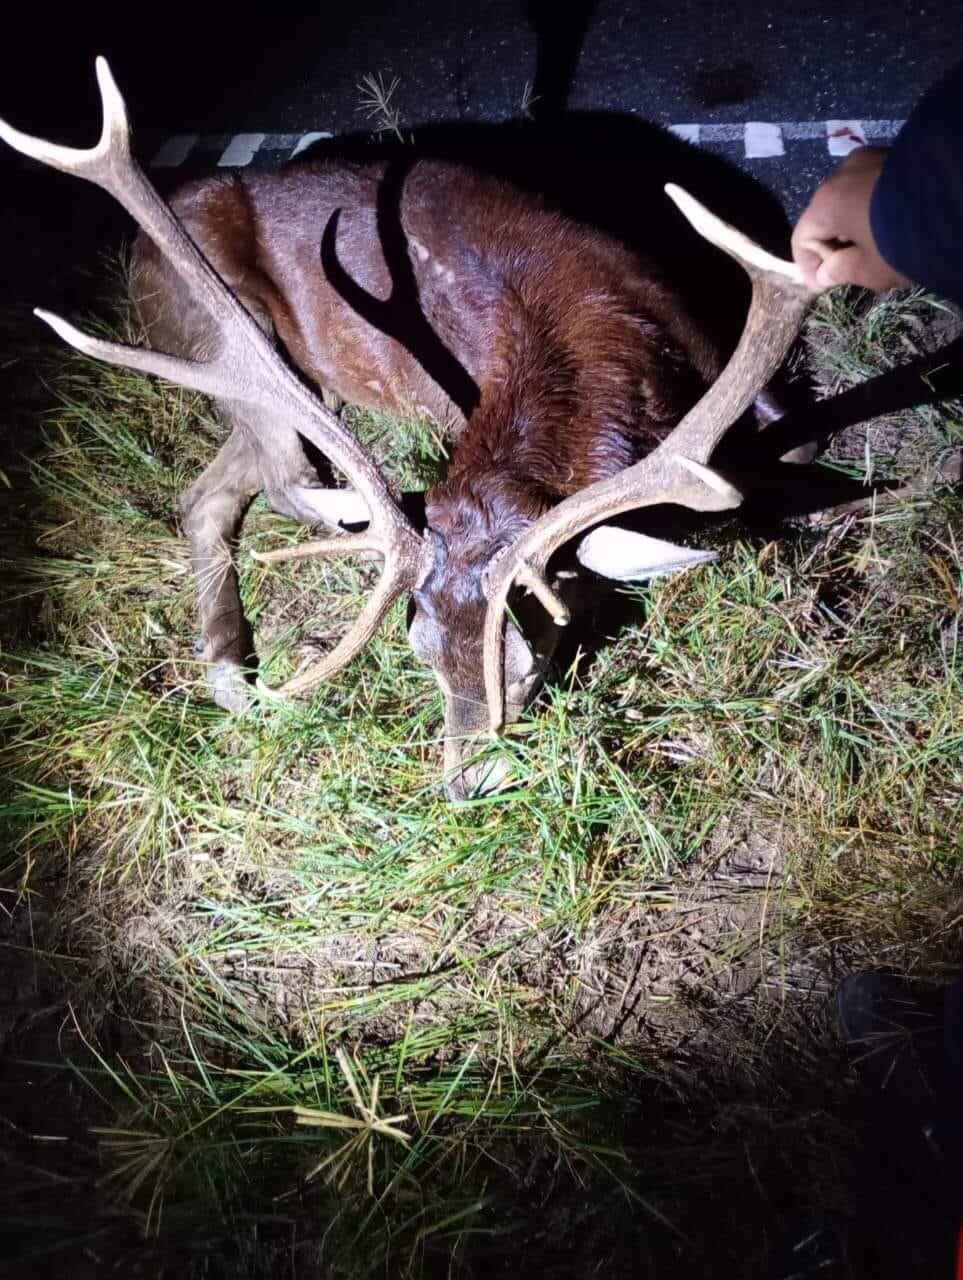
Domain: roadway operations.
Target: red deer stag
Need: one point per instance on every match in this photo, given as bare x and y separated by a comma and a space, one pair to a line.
560, 363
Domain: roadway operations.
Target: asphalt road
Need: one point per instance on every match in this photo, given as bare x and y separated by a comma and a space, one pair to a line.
283, 70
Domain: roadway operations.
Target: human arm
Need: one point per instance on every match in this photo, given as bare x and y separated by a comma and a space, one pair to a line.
888, 217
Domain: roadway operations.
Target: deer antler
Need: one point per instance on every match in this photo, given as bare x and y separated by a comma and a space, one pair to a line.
246, 368
677, 470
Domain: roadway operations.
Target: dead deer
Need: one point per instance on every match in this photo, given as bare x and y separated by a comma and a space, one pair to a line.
564, 369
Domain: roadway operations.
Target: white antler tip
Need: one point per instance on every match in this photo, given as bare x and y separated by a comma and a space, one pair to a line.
690, 206
115, 129
57, 323
73, 336
717, 232
72, 159
712, 478
107, 83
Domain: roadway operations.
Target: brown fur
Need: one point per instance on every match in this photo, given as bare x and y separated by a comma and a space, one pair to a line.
550, 354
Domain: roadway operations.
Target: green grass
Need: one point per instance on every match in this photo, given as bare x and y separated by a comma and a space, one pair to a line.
595, 999
854, 336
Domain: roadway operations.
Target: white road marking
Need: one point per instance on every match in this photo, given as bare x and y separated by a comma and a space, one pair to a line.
174, 151
763, 140
308, 140
760, 139
241, 150
844, 136
791, 130
687, 132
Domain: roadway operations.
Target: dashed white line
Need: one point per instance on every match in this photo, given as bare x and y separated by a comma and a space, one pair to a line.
241, 150
760, 140
687, 132
794, 131
763, 140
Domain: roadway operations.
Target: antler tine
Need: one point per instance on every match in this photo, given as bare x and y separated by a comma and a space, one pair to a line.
345, 544
247, 367
113, 144
677, 471
365, 626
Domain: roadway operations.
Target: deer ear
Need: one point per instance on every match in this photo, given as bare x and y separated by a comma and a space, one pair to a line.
335, 508
346, 509
628, 557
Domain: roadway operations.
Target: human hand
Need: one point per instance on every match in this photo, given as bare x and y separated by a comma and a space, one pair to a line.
833, 242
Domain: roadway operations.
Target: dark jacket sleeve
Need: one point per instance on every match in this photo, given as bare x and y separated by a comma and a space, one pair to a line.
916, 214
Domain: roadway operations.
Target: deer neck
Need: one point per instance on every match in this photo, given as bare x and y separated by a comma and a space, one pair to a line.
556, 414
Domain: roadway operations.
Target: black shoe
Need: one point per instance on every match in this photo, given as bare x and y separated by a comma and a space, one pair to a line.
893, 1031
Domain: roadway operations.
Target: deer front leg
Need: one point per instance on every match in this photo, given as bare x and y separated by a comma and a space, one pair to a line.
213, 510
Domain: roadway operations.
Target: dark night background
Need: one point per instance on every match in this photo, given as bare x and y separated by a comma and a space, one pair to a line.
289, 68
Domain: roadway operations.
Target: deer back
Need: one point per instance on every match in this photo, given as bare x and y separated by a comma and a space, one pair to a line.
421, 285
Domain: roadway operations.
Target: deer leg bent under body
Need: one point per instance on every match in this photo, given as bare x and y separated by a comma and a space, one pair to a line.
213, 510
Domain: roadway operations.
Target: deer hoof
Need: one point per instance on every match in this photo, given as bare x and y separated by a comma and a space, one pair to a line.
477, 779
230, 687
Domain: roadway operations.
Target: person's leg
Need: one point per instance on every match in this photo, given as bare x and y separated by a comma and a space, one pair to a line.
905, 1042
